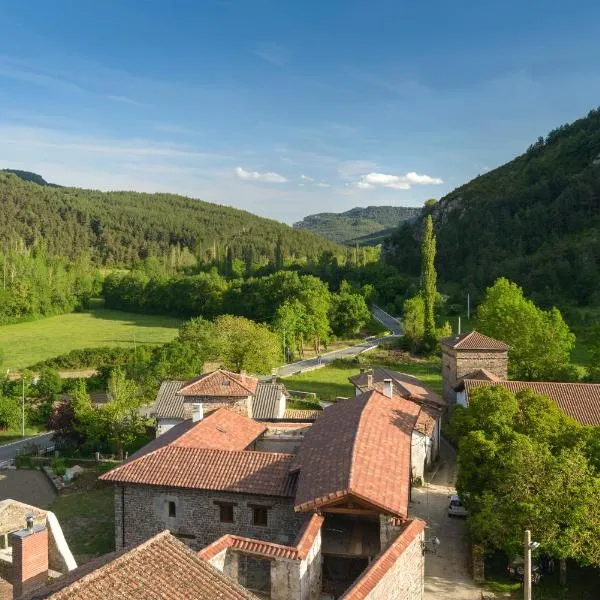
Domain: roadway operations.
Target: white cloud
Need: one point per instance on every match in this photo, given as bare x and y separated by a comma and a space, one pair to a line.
267, 177
323, 184
273, 53
395, 182
306, 178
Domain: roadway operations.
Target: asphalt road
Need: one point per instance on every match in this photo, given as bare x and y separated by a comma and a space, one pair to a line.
11, 450
393, 324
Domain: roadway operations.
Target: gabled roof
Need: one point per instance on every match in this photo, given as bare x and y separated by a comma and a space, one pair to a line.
581, 401
482, 374
266, 402
246, 472
358, 448
220, 383
474, 341
405, 385
167, 403
161, 567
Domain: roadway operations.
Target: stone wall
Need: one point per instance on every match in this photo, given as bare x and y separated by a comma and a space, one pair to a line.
458, 363
398, 573
197, 520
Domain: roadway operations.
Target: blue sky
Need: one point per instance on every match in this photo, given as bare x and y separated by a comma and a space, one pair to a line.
287, 108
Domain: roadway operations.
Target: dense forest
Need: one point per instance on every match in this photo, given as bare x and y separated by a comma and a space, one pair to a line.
120, 228
534, 220
362, 226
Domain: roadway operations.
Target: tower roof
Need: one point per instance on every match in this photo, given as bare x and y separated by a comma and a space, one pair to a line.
474, 341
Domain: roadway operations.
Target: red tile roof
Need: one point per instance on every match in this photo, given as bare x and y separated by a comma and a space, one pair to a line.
581, 401
267, 549
377, 570
427, 420
405, 385
368, 457
247, 472
220, 383
474, 341
162, 567
224, 429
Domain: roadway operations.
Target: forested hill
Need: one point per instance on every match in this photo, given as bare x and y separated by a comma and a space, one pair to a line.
118, 228
357, 225
535, 220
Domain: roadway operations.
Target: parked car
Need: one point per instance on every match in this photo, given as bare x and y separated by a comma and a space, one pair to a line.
516, 569
456, 508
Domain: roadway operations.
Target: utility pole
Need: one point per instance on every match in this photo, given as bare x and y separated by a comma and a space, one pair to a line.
468, 306
23, 407
527, 565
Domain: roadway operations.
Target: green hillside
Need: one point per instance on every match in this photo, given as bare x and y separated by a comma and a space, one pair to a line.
535, 220
357, 225
118, 228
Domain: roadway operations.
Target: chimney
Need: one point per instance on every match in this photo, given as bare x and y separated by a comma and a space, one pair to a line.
197, 412
274, 376
30, 558
388, 388
369, 380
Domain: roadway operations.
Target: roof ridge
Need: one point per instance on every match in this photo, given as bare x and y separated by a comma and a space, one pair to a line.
358, 430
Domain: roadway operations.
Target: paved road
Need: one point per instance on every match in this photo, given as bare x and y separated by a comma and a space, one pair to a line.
314, 363
447, 571
393, 324
11, 450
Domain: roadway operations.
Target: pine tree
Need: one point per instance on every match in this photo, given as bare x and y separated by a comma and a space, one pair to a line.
428, 278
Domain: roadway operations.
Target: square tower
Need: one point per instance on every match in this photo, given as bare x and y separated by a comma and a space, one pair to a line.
464, 354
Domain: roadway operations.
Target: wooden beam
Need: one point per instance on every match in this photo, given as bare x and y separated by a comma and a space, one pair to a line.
349, 511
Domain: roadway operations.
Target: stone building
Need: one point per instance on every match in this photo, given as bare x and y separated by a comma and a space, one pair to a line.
290, 524
466, 354
427, 430
259, 400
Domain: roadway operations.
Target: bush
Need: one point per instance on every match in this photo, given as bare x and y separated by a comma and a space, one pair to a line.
83, 358
59, 466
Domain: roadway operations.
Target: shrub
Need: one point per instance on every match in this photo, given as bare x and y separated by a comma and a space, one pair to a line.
59, 466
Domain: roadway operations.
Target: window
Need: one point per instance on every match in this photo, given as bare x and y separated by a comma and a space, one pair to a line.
260, 515
172, 509
225, 511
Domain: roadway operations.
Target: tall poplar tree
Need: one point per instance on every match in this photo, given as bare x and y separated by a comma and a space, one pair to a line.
428, 278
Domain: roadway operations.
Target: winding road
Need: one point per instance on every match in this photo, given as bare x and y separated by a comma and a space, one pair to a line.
9, 451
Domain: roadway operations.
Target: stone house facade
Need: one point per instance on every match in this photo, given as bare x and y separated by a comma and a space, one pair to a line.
465, 354
197, 518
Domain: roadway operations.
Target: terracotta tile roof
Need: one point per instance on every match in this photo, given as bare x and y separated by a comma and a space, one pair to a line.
375, 572
247, 472
581, 401
162, 567
267, 400
301, 414
405, 385
427, 420
220, 383
267, 549
368, 457
474, 341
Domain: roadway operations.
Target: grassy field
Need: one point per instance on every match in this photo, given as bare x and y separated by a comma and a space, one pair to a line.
24, 344
11, 435
332, 381
87, 519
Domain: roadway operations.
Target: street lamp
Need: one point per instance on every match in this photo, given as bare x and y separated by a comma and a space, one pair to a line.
529, 546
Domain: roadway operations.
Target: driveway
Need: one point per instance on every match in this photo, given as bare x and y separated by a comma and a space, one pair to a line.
447, 571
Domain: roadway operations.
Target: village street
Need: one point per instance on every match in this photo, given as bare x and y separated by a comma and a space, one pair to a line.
446, 571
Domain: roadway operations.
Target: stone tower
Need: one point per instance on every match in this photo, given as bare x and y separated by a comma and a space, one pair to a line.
468, 353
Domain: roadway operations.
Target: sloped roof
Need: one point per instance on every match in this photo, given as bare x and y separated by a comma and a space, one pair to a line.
167, 403
483, 374
474, 341
405, 385
581, 401
301, 414
368, 457
161, 567
427, 420
378, 568
246, 472
220, 383
265, 404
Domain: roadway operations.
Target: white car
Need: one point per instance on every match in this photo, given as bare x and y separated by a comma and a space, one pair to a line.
456, 508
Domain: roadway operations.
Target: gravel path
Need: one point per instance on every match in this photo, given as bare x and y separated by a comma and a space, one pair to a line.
447, 571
